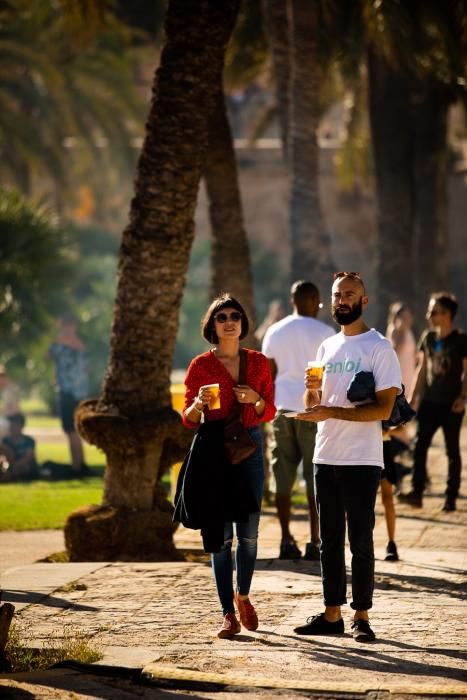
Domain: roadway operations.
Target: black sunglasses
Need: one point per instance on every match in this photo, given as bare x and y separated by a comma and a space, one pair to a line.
221, 317
338, 275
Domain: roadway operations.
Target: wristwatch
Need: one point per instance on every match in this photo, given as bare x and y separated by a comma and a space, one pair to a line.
258, 402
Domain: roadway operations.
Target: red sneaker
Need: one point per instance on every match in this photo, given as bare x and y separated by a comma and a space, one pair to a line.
248, 616
230, 626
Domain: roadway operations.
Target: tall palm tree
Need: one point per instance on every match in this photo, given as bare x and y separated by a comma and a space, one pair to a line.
311, 255
277, 25
230, 259
392, 140
132, 421
415, 70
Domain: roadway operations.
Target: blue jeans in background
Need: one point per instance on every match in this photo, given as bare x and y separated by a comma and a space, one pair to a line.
347, 491
247, 537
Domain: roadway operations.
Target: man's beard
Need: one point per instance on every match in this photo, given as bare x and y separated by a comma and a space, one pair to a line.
343, 318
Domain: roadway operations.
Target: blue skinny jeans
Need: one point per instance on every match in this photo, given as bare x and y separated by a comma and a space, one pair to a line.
247, 538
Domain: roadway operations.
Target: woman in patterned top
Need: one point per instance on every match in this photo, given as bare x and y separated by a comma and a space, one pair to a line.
224, 325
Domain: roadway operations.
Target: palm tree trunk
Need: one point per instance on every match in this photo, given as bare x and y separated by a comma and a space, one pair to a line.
132, 422
311, 255
277, 25
408, 125
431, 236
230, 259
392, 138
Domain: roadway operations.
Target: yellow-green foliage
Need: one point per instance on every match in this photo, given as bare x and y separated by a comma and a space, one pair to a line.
69, 643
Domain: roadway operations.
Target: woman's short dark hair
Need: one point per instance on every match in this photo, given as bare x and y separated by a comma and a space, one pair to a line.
224, 301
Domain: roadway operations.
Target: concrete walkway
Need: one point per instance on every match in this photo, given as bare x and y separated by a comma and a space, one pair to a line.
161, 618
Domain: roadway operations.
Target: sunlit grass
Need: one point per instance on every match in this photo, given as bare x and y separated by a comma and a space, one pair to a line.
70, 643
59, 452
45, 504
42, 421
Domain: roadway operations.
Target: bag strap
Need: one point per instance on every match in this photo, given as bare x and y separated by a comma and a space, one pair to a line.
237, 410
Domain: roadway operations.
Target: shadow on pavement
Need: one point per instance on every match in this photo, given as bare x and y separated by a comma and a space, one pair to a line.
370, 659
407, 584
434, 521
27, 597
95, 684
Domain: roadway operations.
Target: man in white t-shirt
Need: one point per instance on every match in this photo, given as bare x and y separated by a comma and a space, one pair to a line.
289, 344
349, 455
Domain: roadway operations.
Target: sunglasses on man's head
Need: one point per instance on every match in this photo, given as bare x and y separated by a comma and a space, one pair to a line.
221, 317
338, 275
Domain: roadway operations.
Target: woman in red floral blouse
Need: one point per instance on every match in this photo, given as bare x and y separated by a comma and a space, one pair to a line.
224, 325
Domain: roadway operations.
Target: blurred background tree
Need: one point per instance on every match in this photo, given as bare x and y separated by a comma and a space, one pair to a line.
75, 80
65, 96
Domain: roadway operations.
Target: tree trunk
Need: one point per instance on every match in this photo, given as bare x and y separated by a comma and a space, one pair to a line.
392, 138
408, 126
133, 422
278, 29
431, 236
311, 256
230, 259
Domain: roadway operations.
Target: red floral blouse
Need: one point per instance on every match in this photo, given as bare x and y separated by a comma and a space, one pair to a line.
207, 369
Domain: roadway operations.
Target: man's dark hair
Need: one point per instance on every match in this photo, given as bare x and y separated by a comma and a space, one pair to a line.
224, 301
447, 300
303, 291
17, 418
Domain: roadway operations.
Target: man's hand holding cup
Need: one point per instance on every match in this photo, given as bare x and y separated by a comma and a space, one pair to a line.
314, 376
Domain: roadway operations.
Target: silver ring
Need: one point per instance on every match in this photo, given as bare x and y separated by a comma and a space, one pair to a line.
243, 395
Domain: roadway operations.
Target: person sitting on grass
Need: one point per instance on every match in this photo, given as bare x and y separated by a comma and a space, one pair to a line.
19, 451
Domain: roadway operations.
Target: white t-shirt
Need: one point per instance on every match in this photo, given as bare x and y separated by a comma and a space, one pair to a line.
292, 342
343, 442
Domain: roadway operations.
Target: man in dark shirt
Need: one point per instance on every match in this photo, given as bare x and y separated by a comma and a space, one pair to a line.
439, 393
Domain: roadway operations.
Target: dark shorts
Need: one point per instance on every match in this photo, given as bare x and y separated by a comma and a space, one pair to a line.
390, 468
66, 408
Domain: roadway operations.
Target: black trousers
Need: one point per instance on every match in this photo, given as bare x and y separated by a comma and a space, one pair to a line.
347, 492
432, 416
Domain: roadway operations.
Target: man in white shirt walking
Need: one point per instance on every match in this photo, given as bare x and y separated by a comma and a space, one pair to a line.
349, 455
289, 344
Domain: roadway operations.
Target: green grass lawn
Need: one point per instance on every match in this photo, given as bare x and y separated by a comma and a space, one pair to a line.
58, 452
45, 504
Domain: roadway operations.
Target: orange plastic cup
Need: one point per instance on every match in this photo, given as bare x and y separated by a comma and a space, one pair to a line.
315, 369
215, 402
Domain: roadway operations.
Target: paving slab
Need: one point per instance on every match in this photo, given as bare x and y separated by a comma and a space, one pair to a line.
26, 585
160, 618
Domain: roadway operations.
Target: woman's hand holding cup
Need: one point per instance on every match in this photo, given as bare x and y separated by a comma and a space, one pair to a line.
208, 395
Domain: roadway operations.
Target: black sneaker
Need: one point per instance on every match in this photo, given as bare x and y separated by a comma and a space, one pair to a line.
289, 550
362, 632
412, 499
449, 505
319, 625
311, 552
391, 552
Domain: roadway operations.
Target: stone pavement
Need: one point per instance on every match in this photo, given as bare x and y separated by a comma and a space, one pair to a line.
162, 617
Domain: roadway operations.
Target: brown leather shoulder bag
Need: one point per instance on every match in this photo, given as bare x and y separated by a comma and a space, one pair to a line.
238, 443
